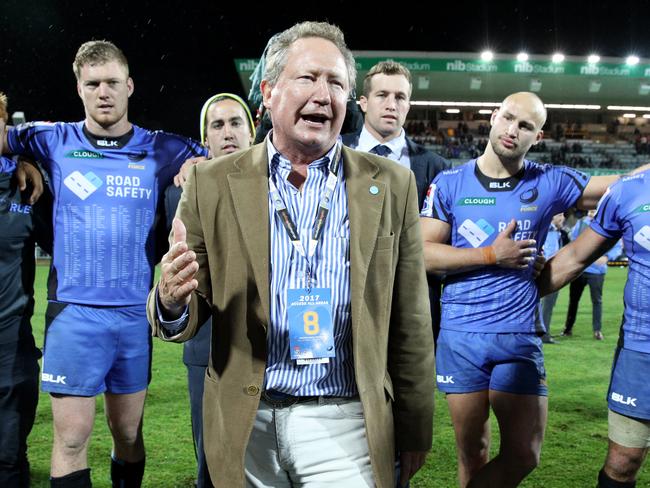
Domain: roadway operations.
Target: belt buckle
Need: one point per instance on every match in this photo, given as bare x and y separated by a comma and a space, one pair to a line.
278, 399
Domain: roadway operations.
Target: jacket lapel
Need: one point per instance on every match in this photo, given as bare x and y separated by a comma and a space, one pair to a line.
249, 189
365, 201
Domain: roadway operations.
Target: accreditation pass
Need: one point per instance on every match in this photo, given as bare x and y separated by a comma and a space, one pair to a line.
311, 337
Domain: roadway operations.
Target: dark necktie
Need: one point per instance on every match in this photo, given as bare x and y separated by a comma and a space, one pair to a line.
381, 150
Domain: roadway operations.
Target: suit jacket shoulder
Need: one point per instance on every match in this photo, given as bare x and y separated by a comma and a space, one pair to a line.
426, 165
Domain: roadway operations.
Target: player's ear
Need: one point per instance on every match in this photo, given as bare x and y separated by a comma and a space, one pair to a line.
363, 103
540, 136
130, 86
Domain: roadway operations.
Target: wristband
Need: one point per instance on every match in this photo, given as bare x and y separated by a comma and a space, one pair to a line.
489, 256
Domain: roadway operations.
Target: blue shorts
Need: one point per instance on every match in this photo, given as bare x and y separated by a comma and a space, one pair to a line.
471, 361
629, 389
90, 350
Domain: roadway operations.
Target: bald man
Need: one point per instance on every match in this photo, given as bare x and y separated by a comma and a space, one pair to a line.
495, 211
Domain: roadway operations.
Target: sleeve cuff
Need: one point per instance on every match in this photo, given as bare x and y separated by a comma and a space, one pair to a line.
171, 327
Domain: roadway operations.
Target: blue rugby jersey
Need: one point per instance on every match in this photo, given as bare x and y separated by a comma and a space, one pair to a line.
624, 211
490, 298
106, 191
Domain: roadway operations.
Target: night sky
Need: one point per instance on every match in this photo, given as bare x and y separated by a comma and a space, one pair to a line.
181, 52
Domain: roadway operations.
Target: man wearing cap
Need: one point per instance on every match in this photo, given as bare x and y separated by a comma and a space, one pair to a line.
226, 127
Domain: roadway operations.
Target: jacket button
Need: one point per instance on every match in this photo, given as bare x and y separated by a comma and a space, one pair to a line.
252, 390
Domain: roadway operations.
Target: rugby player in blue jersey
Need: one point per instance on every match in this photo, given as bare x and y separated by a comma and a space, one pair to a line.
108, 177
624, 212
483, 224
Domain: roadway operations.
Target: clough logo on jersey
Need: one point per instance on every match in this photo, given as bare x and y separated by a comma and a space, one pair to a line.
83, 154
643, 208
477, 201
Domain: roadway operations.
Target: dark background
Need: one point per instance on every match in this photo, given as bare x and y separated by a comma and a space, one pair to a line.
181, 52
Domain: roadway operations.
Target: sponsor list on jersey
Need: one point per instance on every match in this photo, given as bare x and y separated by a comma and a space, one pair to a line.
105, 242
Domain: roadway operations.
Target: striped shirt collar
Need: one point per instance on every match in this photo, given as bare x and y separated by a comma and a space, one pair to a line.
282, 163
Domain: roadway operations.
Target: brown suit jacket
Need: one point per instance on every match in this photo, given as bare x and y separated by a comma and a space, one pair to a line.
225, 210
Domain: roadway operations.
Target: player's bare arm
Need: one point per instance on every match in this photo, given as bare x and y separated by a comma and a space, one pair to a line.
571, 260
441, 258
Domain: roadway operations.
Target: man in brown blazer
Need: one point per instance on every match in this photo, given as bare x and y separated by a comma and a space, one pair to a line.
307, 256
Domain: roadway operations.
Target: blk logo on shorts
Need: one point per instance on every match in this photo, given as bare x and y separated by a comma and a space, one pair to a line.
49, 378
618, 398
445, 379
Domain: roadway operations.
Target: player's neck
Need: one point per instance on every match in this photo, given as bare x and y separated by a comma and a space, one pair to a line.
495, 166
115, 130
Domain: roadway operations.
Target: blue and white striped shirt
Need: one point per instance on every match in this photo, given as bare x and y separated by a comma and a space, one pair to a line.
330, 269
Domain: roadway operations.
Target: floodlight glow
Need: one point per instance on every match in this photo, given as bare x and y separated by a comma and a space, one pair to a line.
629, 116
557, 58
487, 56
522, 57
572, 106
593, 58
452, 111
628, 107
646, 116
485, 111
632, 60
436, 103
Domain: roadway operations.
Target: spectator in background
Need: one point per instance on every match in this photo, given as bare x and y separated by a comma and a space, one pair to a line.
594, 277
556, 238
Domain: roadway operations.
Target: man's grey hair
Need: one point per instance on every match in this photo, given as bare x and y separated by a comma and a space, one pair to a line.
276, 57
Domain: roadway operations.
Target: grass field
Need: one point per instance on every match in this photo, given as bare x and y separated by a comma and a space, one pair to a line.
576, 436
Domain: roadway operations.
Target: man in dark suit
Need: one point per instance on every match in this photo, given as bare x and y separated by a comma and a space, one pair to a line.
385, 101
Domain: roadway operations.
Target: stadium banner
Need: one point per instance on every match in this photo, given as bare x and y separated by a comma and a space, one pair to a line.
460, 64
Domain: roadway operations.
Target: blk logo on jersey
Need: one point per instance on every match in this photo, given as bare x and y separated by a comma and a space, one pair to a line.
499, 185
107, 143
83, 185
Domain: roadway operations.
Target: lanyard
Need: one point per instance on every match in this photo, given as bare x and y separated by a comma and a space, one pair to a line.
321, 215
